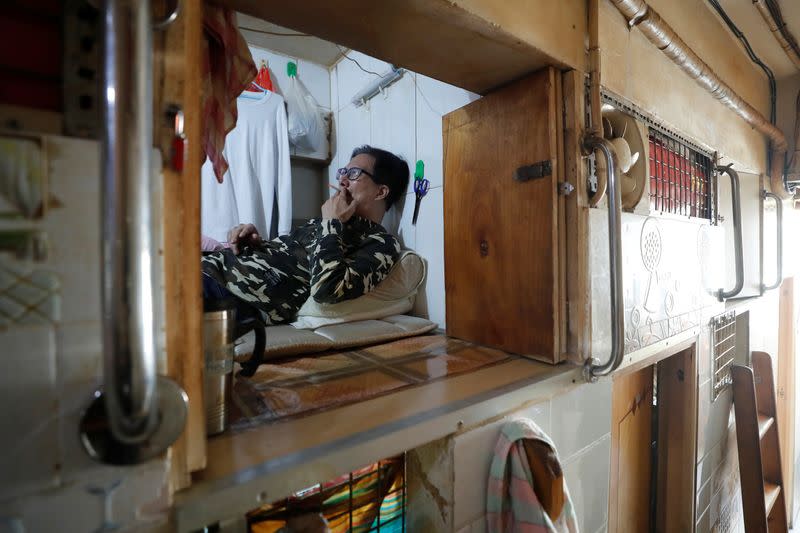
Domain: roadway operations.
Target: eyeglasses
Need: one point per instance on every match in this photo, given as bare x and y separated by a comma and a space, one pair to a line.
352, 173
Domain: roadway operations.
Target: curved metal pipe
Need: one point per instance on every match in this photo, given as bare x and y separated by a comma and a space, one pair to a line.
592, 369
639, 13
722, 294
779, 266
129, 340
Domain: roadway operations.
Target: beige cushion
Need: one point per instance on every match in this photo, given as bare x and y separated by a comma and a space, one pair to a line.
284, 341
393, 296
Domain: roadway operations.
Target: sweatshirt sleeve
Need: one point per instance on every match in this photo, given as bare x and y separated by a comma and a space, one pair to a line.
337, 276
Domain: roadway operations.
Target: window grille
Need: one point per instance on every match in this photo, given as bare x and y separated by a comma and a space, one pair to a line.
370, 499
723, 351
680, 178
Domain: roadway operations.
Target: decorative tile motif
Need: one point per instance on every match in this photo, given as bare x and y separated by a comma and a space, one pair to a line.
28, 295
671, 270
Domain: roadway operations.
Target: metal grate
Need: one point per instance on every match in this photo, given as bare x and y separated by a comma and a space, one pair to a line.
680, 178
723, 351
370, 499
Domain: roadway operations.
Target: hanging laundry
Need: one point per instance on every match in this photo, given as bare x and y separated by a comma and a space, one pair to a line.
228, 68
258, 175
263, 80
526, 490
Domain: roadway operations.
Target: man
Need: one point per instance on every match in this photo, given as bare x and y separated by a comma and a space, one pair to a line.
341, 256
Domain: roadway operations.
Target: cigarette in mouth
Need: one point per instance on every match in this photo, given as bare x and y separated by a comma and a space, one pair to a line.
334, 187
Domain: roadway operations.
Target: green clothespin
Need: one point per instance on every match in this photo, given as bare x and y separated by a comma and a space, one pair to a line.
291, 69
419, 173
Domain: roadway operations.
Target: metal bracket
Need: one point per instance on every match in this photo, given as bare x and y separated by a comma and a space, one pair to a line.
534, 171
565, 188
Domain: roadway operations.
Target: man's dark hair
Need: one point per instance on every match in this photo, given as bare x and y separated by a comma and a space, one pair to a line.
390, 170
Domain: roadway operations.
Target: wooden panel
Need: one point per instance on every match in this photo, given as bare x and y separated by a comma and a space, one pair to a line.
467, 46
677, 442
576, 209
631, 435
786, 384
177, 75
500, 245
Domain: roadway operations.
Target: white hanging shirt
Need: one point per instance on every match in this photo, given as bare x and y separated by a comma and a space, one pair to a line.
257, 151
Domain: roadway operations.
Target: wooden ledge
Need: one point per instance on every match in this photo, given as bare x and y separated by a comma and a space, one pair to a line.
266, 463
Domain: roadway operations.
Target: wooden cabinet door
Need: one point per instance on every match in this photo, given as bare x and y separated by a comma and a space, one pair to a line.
501, 234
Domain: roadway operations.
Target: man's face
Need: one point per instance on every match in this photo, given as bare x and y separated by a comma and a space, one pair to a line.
364, 190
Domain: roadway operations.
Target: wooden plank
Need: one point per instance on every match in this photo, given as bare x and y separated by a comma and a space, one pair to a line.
560, 229
677, 441
787, 319
764, 423
475, 44
631, 469
178, 81
576, 210
500, 245
771, 493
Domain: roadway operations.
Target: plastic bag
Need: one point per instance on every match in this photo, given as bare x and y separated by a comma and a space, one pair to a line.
306, 127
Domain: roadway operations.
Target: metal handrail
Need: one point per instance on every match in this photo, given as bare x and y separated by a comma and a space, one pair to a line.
722, 294
138, 414
779, 214
592, 369
129, 249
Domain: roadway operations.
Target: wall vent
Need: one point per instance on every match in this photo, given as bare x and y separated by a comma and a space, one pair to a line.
723, 351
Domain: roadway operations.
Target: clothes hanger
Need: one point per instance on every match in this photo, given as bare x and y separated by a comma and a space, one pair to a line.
255, 96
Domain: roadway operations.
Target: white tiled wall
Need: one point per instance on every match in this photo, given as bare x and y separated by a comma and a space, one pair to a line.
578, 421
407, 120
49, 371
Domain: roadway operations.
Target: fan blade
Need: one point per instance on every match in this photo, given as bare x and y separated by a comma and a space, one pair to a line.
608, 130
623, 151
634, 158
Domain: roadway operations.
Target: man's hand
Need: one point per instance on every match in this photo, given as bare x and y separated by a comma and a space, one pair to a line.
340, 206
243, 235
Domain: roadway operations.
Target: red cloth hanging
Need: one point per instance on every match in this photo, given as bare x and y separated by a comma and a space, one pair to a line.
228, 68
263, 80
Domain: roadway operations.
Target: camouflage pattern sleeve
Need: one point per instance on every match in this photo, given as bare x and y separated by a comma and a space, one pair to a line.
342, 272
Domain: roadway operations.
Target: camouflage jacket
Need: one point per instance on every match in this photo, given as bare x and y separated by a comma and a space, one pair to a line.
326, 259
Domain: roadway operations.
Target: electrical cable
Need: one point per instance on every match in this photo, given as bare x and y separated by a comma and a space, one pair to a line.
752, 55
777, 16
344, 54
413, 78
773, 91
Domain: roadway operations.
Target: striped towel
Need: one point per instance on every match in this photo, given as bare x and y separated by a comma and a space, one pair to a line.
511, 503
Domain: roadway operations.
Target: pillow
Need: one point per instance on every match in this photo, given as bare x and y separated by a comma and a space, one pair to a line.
393, 296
